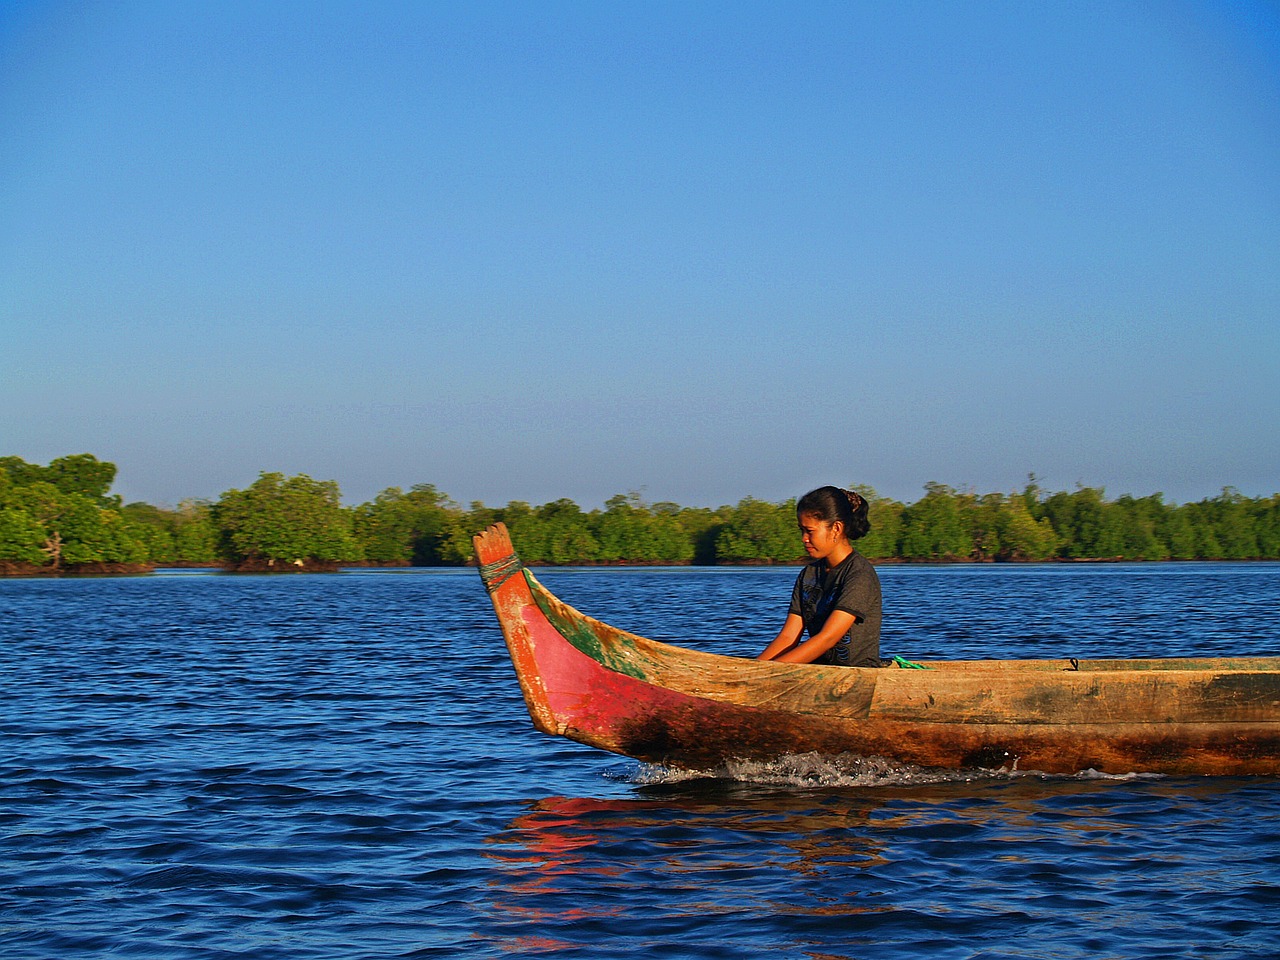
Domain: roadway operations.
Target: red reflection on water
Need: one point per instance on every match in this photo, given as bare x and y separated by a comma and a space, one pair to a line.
575, 861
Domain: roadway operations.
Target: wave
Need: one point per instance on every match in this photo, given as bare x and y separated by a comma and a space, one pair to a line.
813, 770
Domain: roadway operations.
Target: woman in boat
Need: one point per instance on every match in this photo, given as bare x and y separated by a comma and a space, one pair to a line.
836, 599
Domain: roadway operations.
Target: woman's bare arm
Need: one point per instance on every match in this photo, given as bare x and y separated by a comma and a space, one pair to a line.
787, 638
837, 625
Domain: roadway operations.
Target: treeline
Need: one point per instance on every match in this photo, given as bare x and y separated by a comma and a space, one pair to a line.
63, 518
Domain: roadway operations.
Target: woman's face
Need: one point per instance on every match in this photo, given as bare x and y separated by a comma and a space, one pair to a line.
818, 536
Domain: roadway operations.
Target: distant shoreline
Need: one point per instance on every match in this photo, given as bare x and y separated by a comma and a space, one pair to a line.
17, 570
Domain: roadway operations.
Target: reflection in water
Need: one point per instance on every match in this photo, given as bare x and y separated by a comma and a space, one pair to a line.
829, 871
571, 866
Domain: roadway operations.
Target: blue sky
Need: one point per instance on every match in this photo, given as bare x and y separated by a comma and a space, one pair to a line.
702, 251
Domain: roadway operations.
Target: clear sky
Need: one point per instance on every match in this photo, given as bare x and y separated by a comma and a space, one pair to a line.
702, 251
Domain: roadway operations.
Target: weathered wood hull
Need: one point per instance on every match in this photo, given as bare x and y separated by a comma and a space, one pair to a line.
659, 703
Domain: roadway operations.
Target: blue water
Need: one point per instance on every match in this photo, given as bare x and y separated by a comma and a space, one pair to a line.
205, 766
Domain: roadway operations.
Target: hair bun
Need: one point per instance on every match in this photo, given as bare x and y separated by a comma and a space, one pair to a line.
830, 504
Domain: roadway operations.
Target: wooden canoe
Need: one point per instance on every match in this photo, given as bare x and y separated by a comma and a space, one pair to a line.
679, 707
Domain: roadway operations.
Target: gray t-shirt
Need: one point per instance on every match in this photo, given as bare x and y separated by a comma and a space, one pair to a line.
852, 586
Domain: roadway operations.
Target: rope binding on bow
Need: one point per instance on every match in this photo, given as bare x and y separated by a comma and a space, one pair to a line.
498, 572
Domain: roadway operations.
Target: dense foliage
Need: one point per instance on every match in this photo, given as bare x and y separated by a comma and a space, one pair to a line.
277, 521
62, 517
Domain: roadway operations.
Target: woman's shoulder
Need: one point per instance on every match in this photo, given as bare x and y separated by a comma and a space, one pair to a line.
811, 569
856, 563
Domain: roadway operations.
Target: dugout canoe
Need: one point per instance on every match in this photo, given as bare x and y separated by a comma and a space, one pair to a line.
686, 708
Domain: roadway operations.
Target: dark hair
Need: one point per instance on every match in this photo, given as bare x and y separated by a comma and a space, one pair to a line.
830, 504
